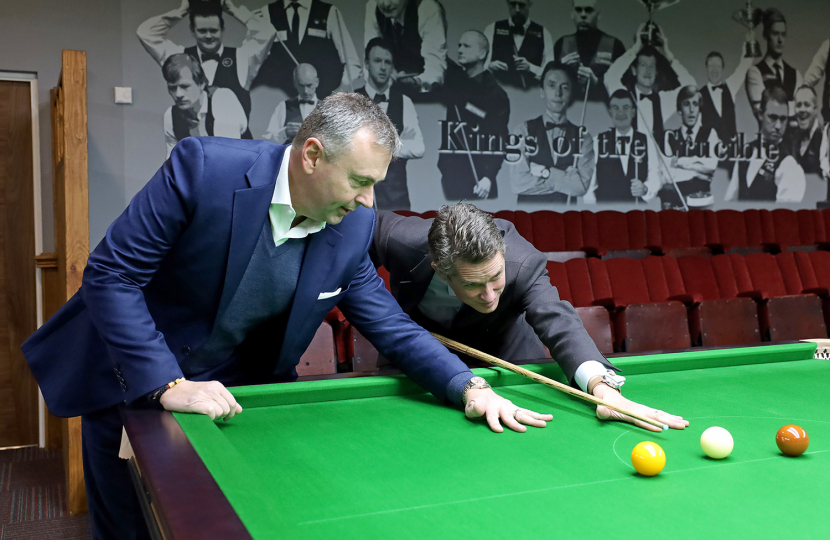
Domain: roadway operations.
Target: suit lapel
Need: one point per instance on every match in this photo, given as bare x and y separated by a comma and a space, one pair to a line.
250, 211
412, 291
317, 262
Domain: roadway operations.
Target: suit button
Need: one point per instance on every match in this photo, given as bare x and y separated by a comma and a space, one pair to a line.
185, 350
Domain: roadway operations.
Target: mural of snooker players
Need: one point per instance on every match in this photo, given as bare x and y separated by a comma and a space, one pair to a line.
289, 114
772, 70
315, 33
557, 157
803, 141
693, 152
520, 48
590, 50
199, 111
225, 67
768, 173
626, 167
417, 31
477, 114
654, 105
392, 193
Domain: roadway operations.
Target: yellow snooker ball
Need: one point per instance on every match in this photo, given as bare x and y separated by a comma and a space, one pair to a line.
716, 442
648, 458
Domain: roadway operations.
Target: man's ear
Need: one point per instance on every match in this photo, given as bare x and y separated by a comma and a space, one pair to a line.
312, 154
438, 272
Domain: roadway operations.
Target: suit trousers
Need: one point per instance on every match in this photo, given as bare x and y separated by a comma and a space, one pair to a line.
114, 509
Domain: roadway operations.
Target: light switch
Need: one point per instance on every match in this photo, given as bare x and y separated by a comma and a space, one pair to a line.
123, 94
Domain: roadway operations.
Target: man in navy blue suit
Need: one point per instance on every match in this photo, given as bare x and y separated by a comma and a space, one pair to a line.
218, 273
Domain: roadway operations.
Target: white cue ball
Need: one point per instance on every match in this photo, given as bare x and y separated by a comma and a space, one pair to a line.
716, 442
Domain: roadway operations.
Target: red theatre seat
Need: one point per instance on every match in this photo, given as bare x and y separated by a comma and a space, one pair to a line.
648, 314
781, 314
574, 286
714, 318
614, 234
744, 231
521, 220
801, 230
558, 235
684, 233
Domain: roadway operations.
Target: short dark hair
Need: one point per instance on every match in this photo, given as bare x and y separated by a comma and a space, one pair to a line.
715, 54
173, 66
648, 51
379, 42
463, 232
621, 93
772, 16
687, 92
773, 93
336, 119
205, 8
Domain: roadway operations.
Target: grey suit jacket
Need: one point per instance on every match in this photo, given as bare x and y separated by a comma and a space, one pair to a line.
529, 313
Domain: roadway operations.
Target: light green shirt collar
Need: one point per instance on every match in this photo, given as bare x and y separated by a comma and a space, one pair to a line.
281, 212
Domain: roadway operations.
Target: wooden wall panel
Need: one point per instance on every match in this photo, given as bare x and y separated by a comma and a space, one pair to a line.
52, 299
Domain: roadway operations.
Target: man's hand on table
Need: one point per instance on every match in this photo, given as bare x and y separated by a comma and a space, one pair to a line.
210, 398
606, 393
485, 402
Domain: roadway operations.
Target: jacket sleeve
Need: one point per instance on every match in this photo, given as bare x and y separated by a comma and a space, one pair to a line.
126, 260
555, 321
373, 311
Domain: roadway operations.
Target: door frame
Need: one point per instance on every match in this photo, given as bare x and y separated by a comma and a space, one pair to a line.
31, 79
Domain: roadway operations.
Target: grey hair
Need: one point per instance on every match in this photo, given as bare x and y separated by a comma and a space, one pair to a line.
463, 232
336, 119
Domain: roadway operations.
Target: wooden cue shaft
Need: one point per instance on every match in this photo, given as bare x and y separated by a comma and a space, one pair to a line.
460, 347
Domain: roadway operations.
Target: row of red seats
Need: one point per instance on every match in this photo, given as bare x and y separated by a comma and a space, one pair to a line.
630, 305
639, 233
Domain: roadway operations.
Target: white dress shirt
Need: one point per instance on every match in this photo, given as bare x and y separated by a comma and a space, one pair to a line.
249, 56
816, 70
789, 177
281, 212
432, 27
824, 153
336, 30
276, 126
412, 140
690, 167
518, 39
229, 118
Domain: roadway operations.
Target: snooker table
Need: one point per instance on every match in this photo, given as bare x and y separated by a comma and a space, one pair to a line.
377, 457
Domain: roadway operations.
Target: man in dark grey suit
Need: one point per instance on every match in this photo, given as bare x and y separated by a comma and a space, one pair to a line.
476, 280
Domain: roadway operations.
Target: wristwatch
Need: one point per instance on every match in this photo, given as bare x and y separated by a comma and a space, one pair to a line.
475, 382
609, 379
545, 174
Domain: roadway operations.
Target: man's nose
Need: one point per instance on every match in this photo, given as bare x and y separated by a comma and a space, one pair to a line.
366, 196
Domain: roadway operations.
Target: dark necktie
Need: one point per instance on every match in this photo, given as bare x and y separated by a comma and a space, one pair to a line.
517, 30
689, 139
778, 73
622, 143
379, 98
210, 56
294, 36
550, 125
306, 102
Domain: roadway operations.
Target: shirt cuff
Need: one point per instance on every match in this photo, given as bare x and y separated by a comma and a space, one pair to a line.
457, 384
587, 371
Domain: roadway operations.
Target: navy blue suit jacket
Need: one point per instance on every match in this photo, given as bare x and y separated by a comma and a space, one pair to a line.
170, 264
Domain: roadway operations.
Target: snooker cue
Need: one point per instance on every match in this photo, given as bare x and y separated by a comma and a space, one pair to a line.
466, 145
460, 347
345, 57
582, 125
284, 46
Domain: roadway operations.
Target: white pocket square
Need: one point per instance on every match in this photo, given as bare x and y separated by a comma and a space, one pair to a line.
324, 295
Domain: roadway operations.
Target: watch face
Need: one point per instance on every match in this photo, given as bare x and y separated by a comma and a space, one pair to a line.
546, 173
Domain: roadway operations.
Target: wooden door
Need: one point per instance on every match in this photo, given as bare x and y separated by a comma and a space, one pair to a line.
18, 300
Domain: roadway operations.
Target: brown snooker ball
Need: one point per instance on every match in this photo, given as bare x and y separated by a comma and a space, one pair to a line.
792, 440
